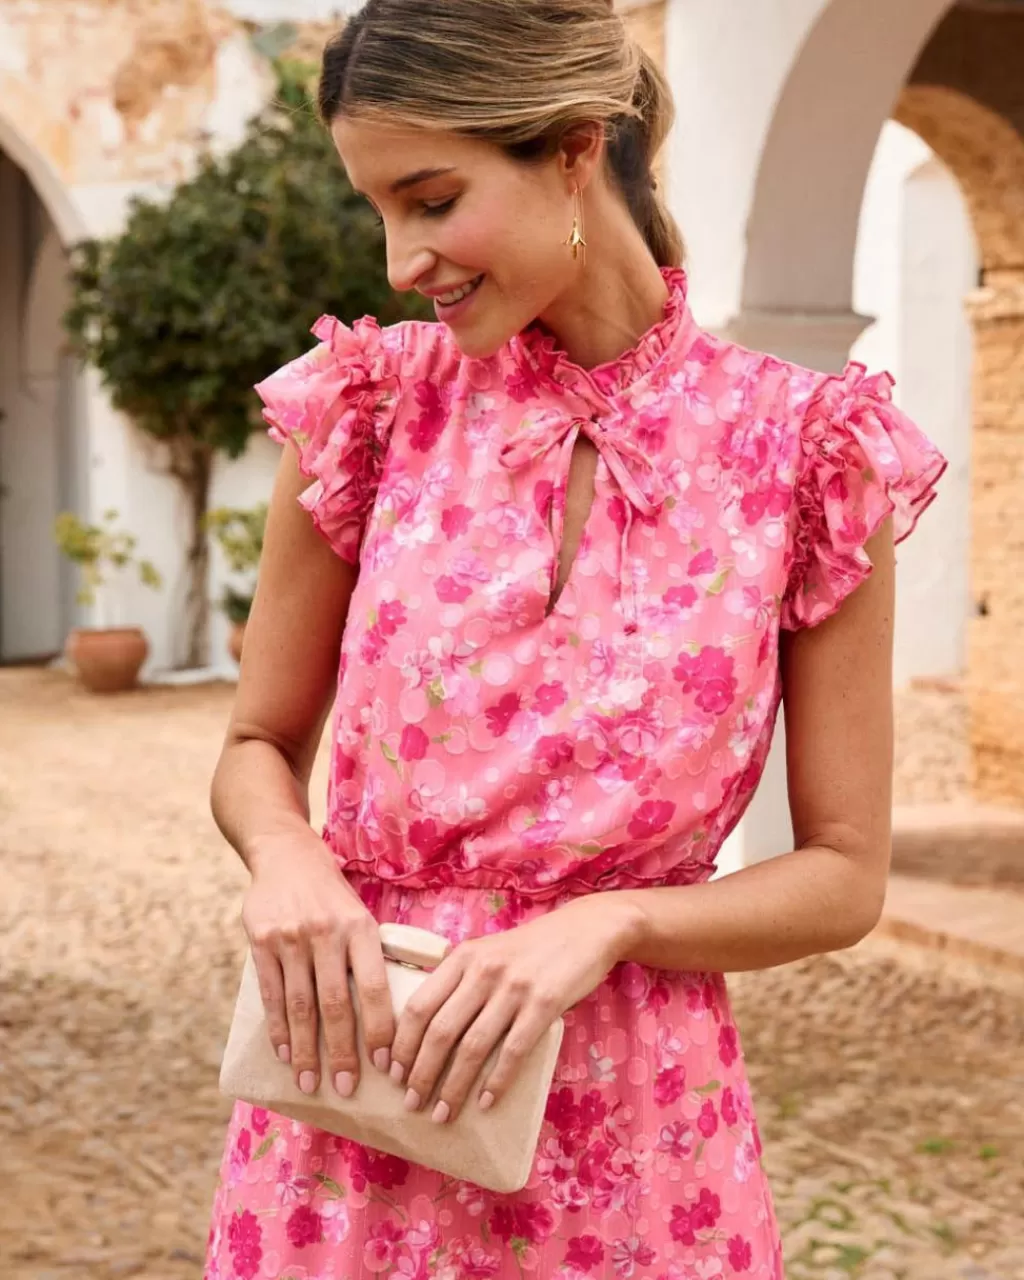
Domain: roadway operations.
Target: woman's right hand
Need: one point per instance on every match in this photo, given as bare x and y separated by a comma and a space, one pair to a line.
307, 927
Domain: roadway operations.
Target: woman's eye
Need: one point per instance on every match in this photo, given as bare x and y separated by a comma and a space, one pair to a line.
437, 210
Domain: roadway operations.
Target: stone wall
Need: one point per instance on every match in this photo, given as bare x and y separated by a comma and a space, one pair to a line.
966, 99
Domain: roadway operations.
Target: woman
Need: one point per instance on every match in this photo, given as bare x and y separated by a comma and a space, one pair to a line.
595, 546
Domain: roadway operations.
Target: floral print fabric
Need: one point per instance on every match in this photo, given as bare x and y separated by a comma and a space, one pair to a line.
493, 756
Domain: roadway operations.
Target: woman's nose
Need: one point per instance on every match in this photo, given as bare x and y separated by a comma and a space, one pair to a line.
407, 265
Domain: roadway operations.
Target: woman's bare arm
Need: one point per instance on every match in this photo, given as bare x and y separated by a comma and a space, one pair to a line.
306, 925
828, 892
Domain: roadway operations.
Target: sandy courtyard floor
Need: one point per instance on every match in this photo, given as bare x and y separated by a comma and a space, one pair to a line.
890, 1086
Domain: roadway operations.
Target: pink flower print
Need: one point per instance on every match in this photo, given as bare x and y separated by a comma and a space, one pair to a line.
391, 615
593, 1161
562, 1110
669, 1086
368, 1166
336, 1222
628, 1254
707, 1121
701, 1216
381, 1249
593, 1109
650, 819
547, 698
728, 1044
729, 1113
681, 1225
468, 1260
304, 1227
414, 743
500, 716
584, 1252
543, 499
677, 1140
451, 591
740, 1255
425, 837
372, 647
475, 1200
260, 1121
553, 750
245, 1236
658, 994
702, 563
681, 597
455, 520
240, 1155
424, 431
709, 676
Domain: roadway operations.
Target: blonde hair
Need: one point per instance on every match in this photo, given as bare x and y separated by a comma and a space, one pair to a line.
518, 73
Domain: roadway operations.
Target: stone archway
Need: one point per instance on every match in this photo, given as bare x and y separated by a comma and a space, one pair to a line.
41, 464
986, 155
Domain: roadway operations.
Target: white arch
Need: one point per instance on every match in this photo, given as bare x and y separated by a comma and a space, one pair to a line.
46, 181
840, 90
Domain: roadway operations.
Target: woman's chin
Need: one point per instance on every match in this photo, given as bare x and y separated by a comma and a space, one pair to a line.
479, 341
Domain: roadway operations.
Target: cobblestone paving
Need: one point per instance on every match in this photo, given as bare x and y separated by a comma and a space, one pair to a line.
889, 1084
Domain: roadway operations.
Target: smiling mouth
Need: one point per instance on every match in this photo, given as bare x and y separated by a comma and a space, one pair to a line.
457, 295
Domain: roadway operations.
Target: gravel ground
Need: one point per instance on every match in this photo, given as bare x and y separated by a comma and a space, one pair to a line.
889, 1084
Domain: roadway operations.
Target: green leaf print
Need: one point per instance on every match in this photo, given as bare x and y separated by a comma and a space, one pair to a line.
435, 692
574, 640
265, 1145
328, 1184
717, 586
710, 1087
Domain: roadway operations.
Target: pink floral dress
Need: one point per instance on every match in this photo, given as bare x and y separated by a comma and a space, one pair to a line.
492, 759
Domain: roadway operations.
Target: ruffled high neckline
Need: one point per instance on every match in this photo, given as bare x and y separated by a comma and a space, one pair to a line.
671, 336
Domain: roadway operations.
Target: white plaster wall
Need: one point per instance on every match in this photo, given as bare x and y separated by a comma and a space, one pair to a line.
916, 262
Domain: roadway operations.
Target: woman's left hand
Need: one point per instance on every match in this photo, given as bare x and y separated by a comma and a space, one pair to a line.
512, 984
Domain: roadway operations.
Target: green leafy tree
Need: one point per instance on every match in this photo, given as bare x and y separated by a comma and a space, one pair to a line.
206, 293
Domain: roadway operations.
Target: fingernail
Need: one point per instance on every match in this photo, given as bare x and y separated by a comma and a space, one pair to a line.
412, 1100
441, 1112
345, 1083
284, 1053
382, 1060
486, 1099
307, 1082
397, 1071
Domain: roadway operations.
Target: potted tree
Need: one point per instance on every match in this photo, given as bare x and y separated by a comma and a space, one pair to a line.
108, 656
206, 291
239, 532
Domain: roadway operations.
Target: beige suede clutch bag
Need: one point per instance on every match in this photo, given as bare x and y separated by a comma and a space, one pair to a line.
492, 1148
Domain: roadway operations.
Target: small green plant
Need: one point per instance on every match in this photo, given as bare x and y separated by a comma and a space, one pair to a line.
103, 554
239, 531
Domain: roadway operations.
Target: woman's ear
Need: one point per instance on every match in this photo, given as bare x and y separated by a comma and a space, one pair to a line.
581, 152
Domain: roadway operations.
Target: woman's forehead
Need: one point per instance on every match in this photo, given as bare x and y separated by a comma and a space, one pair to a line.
378, 155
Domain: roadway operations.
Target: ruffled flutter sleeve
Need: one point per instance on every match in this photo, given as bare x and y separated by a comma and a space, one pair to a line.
861, 460
337, 404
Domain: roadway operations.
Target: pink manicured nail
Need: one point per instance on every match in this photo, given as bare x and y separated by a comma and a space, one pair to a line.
412, 1100
284, 1053
397, 1072
307, 1081
345, 1083
382, 1060
441, 1112
486, 1100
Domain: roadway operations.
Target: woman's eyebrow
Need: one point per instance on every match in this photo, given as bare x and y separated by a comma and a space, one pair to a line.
421, 175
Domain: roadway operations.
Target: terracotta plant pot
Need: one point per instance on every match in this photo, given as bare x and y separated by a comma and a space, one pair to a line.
236, 637
107, 660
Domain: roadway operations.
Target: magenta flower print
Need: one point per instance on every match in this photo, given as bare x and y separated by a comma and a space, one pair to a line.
710, 676
728, 1044
651, 819
584, 1252
740, 1253
305, 1226
245, 1242
669, 1085
707, 1121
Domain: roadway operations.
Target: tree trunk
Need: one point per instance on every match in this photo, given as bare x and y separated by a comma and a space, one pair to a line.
192, 466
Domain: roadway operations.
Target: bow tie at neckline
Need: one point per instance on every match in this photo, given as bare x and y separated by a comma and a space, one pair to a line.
639, 478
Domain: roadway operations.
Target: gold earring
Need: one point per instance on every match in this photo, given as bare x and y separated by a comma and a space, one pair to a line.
575, 239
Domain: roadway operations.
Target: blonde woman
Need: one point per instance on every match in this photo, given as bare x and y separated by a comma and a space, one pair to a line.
561, 556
